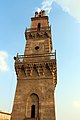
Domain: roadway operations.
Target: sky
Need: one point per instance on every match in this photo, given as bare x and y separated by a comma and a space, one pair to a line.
64, 18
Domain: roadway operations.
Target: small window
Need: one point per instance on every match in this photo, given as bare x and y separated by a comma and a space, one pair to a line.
33, 111
37, 48
39, 25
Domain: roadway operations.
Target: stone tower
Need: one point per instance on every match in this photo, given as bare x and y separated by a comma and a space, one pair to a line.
36, 73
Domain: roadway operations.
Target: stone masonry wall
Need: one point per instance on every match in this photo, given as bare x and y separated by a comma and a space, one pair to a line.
44, 90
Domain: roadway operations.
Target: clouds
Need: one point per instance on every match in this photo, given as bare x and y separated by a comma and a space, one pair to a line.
76, 104
3, 61
47, 5
71, 6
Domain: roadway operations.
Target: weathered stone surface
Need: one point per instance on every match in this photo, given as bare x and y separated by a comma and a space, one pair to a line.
4, 116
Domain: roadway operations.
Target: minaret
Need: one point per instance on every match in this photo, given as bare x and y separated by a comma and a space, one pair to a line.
36, 72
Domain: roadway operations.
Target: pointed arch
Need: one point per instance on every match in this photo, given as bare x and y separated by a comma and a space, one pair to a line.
32, 106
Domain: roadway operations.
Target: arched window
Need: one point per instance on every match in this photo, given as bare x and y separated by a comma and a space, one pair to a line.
32, 106
39, 25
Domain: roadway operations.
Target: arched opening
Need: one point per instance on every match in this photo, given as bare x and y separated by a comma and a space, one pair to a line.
33, 111
39, 25
32, 106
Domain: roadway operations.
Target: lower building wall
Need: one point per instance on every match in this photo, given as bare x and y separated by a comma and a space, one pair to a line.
23, 101
4, 116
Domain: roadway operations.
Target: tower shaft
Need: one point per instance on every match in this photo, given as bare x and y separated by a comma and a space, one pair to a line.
36, 72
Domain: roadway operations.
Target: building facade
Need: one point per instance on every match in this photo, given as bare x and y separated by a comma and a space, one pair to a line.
4, 116
36, 72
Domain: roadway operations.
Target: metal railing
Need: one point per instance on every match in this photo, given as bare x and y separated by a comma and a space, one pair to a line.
43, 57
38, 29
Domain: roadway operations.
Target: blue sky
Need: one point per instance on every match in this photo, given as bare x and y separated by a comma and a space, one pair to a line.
65, 21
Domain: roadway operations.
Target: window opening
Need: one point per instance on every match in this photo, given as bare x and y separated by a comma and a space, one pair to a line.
37, 48
33, 111
39, 25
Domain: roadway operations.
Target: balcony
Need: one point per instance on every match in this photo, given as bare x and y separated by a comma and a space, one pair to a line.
38, 33
35, 58
47, 28
36, 66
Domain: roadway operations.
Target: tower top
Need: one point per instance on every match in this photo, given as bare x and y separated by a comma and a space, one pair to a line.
40, 14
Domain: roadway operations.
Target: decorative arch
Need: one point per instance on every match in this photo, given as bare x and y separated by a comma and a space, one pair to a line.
35, 91
32, 106
27, 97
